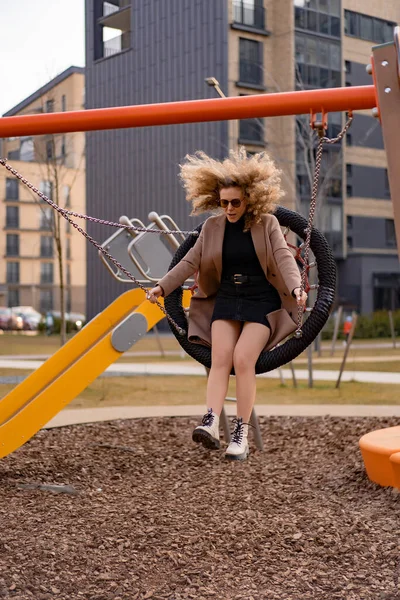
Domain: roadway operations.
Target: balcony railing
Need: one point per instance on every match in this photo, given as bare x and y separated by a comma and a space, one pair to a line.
109, 8
247, 13
117, 44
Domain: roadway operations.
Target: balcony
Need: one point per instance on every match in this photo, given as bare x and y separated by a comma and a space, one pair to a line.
116, 16
117, 44
248, 16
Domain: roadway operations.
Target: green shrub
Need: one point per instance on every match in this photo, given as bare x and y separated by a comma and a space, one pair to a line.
375, 325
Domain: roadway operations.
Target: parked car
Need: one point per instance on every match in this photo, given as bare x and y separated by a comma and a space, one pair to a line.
9, 320
75, 321
30, 317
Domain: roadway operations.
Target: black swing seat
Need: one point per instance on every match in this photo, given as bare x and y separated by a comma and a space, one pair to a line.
282, 354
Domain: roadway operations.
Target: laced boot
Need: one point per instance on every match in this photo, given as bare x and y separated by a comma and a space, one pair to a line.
238, 449
208, 432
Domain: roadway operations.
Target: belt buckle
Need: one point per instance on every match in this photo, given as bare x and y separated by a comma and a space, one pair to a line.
236, 281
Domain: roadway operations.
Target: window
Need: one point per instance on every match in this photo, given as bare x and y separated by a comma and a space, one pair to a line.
63, 149
12, 217
46, 300
251, 131
332, 218
12, 272
347, 66
46, 246
318, 62
46, 187
349, 221
46, 218
368, 28
249, 13
13, 298
63, 103
349, 139
349, 242
46, 273
27, 151
349, 170
67, 196
49, 107
250, 62
12, 189
349, 191
390, 233
49, 150
12, 244
321, 16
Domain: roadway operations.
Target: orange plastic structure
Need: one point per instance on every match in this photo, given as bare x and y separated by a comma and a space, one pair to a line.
380, 450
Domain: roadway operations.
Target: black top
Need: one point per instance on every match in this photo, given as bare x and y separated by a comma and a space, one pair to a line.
238, 253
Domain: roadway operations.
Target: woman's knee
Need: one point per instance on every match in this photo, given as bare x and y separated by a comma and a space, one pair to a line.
242, 360
222, 357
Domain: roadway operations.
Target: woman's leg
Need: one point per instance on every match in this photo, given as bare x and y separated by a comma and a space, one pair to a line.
251, 342
224, 335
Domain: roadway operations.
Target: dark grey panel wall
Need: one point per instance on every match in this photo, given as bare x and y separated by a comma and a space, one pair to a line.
368, 182
356, 74
175, 45
356, 279
369, 232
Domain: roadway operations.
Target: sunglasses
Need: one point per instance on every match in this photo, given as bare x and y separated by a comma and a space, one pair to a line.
235, 203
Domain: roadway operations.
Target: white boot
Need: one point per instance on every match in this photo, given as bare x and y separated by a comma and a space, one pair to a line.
208, 432
238, 449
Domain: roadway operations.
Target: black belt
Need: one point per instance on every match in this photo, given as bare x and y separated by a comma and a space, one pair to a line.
238, 278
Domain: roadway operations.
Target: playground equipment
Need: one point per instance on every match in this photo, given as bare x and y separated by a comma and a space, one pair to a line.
118, 327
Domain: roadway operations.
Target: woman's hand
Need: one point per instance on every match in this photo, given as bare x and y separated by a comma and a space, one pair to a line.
301, 299
154, 293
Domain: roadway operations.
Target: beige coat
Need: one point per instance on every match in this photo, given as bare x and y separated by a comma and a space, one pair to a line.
205, 256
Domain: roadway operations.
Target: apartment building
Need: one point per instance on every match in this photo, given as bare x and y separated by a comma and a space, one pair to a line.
155, 51
32, 230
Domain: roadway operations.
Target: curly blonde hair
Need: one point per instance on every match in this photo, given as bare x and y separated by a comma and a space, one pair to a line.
257, 176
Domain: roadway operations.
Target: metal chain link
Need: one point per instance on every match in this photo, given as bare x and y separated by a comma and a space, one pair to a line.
65, 214
313, 204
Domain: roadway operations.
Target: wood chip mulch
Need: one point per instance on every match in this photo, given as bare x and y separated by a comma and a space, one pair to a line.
133, 510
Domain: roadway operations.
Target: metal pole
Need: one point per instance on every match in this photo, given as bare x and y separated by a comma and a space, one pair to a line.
346, 350
293, 374
310, 366
392, 331
336, 328
192, 111
158, 340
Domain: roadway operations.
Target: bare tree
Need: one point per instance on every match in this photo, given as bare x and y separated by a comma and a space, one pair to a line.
59, 165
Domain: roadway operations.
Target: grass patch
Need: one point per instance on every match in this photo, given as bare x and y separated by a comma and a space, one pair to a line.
176, 390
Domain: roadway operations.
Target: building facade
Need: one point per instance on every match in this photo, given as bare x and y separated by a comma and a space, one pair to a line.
33, 232
156, 51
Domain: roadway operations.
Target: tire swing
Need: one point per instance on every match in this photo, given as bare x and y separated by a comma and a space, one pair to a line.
324, 261
268, 361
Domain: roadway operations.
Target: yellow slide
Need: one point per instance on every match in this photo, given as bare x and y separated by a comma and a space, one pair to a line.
37, 399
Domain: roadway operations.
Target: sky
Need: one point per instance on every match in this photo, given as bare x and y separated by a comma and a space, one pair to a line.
38, 40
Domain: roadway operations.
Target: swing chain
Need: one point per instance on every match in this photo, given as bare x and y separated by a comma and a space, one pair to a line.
320, 128
65, 213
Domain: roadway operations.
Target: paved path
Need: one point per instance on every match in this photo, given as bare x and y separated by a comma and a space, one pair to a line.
192, 368
71, 416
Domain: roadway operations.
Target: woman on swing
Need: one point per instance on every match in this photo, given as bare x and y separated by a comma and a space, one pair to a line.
248, 281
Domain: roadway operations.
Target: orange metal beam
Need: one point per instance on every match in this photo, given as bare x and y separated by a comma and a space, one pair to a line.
193, 111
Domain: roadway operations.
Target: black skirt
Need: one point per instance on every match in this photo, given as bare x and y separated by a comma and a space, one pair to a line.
249, 301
